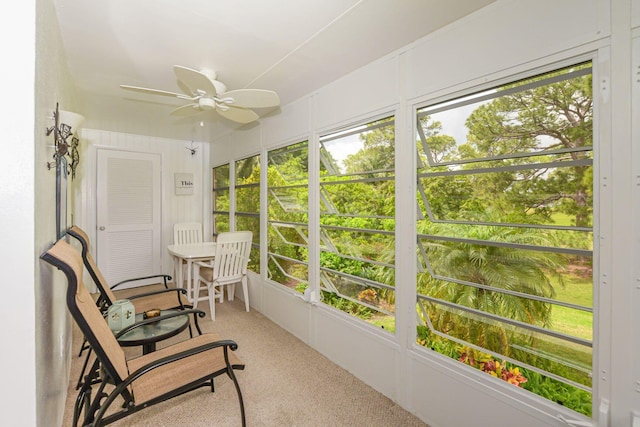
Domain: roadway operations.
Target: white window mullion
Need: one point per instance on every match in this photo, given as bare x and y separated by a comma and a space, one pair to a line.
602, 250
314, 219
264, 209
635, 211
232, 195
405, 268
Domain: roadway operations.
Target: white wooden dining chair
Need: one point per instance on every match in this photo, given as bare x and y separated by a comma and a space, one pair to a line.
228, 267
187, 232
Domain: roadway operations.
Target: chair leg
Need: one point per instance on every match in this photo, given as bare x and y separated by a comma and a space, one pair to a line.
84, 368
83, 347
81, 403
196, 293
211, 290
232, 375
231, 292
245, 291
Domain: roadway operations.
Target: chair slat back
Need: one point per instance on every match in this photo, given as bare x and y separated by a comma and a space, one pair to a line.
232, 255
91, 265
85, 312
187, 232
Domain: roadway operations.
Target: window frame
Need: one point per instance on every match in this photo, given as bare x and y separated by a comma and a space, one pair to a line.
214, 194
276, 259
600, 357
254, 215
368, 124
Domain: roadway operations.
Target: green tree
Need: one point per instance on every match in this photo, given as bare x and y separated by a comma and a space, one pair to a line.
510, 175
440, 148
377, 153
288, 203
540, 119
360, 195
496, 267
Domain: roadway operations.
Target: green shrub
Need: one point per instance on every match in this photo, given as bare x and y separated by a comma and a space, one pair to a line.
564, 394
348, 306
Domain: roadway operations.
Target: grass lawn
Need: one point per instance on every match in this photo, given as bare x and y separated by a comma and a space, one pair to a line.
560, 218
577, 290
385, 322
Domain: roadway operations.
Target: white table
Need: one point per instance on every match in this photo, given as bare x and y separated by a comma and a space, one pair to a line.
192, 252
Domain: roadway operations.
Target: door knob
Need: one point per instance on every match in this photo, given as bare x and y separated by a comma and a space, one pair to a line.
101, 228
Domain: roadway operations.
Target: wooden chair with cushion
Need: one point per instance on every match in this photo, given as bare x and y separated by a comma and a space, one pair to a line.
142, 381
227, 268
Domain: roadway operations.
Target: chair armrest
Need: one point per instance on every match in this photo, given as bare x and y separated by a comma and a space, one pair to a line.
227, 344
159, 291
208, 263
165, 277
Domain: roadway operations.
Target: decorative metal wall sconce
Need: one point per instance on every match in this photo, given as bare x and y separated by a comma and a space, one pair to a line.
64, 131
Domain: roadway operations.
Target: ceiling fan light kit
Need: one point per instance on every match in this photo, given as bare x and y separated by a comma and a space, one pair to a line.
206, 103
205, 93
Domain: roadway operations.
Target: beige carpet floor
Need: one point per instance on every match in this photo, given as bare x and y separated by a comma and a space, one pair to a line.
285, 383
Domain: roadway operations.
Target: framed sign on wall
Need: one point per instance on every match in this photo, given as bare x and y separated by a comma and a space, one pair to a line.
183, 183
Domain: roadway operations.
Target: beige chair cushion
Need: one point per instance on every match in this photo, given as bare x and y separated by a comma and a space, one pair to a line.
173, 375
87, 307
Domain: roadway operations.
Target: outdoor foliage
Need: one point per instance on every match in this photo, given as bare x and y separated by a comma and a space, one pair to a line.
287, 215
556, 391
247, 190
357, 220
221, 199
506, 217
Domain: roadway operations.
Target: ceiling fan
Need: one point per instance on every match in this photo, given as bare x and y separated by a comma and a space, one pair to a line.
205, 93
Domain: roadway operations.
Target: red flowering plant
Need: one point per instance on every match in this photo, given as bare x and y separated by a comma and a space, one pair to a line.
487, 363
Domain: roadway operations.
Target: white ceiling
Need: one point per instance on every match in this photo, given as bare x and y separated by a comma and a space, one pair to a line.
290, 46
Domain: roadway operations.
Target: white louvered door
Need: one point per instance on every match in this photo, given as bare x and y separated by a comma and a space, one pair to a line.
128, 215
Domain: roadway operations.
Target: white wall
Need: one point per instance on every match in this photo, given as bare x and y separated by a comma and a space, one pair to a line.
17, 216
46, 306
36, 327
501, 41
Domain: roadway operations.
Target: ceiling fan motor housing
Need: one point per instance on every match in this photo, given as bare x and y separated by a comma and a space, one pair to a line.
206, 103
220, 87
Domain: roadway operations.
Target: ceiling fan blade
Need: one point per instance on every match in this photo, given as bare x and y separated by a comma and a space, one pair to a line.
197, 82
253, 98
239, 115
183, 87
152, 91
186, 110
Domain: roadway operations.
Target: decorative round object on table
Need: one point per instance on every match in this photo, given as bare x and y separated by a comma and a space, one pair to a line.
150, 314
121, 314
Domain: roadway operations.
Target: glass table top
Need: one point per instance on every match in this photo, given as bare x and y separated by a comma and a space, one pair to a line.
156, 331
